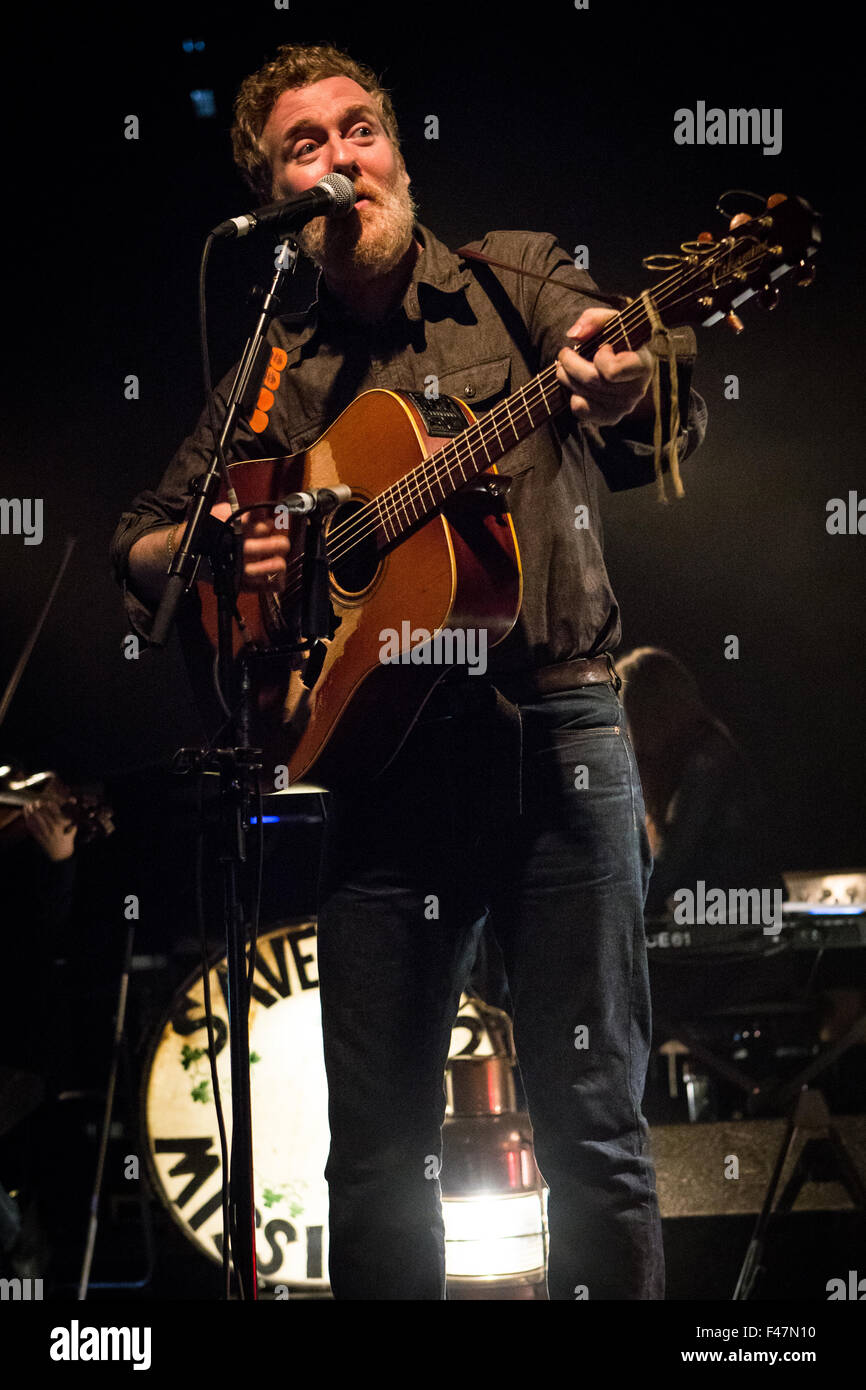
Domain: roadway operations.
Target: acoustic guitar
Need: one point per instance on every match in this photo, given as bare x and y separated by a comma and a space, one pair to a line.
423, 559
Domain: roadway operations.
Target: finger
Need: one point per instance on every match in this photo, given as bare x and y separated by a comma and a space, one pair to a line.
590, 321
608, 412
622, 366
597, 389
265, 573
258, 564
267, 545
604, 404
575, 370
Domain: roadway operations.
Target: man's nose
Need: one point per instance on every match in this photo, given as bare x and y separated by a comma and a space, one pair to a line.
343, 158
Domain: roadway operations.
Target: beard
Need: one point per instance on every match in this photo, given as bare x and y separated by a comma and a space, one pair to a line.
369, 241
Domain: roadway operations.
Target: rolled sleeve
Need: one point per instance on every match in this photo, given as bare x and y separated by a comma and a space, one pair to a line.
169, 503
624, 452
150, 511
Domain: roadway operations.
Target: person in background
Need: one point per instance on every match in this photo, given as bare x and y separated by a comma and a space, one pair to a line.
38, 857
706, 815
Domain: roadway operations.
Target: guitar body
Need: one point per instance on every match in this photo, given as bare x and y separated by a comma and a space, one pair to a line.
458, 569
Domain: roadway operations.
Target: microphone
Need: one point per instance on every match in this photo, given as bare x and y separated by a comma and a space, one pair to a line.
323, 499
334, 194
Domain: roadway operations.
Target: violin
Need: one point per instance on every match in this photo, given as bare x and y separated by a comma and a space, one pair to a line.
82, 808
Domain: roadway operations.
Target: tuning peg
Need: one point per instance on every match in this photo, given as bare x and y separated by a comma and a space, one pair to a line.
734, 322
768, 297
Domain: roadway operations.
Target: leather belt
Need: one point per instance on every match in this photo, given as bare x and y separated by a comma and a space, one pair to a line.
567, 675
459, 694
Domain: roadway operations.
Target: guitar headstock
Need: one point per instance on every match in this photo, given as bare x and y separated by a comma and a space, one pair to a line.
714, 277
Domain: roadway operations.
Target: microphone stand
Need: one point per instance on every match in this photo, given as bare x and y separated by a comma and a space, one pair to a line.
237, 764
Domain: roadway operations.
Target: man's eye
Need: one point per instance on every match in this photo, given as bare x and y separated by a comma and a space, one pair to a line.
363, 130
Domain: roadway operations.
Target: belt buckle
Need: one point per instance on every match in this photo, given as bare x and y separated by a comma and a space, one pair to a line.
615, 677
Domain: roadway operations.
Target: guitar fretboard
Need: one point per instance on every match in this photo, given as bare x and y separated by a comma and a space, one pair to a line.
416, 496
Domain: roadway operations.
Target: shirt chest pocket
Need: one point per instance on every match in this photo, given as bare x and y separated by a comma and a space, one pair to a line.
480, 384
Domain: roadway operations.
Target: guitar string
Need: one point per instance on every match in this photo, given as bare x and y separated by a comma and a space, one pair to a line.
418, 477
423, 478
410, 489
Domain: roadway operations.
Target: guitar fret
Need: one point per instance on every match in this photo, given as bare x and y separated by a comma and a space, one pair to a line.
511, 421
434, 480
430, 479
412, 495
394, 502
407, 498
492, 418
383, 515
398, 505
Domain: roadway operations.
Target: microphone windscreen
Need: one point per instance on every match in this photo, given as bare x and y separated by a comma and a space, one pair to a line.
344, 193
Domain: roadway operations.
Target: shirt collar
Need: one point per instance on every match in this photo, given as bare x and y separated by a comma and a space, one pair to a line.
436, 268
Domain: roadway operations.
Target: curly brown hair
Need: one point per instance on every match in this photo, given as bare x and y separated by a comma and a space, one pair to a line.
296, 65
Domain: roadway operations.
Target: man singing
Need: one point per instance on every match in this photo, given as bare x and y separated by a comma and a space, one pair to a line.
515, 799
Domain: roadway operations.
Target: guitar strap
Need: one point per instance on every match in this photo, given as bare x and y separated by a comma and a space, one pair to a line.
505, 307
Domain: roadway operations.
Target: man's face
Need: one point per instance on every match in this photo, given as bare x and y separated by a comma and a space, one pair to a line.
329, 127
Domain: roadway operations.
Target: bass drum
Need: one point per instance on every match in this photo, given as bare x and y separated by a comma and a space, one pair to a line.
289, 1107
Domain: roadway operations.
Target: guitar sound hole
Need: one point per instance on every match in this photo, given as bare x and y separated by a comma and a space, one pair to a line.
355, 571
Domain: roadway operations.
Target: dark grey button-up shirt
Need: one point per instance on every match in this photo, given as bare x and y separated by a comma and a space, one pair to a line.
448, 327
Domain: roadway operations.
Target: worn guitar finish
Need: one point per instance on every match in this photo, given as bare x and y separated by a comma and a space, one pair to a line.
426, 539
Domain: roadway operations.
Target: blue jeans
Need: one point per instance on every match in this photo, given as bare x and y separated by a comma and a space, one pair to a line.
536, 820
